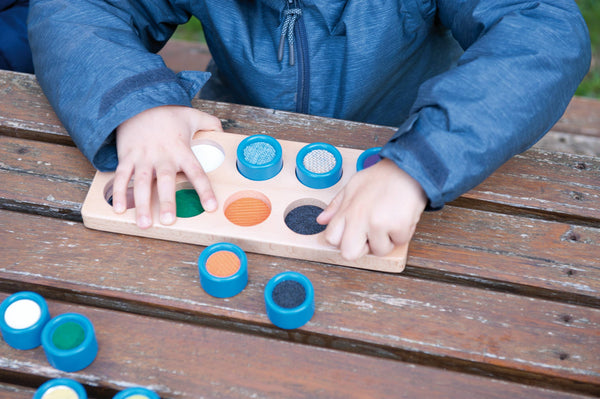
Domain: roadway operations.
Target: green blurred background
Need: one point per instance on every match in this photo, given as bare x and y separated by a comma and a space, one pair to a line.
590, 87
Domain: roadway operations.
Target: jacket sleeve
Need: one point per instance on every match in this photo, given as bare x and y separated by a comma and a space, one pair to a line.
95, 61
522, 63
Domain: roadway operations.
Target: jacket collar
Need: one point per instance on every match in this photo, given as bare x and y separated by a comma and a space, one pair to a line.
331, 10
275, 4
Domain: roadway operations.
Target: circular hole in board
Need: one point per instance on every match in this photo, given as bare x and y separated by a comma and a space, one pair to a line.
209, 153
247, 208
108, 194
187, 201
301, 216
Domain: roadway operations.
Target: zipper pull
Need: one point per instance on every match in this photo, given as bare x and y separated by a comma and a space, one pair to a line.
281, 45
287, 31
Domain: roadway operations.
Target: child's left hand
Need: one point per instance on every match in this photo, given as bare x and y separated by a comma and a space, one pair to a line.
377, 210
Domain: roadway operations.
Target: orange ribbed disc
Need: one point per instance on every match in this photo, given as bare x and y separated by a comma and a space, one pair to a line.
223, 264
247, 211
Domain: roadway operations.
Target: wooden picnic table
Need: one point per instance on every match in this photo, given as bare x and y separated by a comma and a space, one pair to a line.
500, 297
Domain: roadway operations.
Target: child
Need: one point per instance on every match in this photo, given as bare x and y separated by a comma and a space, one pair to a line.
14, 46
469, 83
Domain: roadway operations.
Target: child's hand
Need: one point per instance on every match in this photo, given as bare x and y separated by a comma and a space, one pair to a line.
377, 210
156, 144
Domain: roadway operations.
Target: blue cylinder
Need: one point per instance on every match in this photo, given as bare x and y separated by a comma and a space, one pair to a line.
141, 392
328, 165
297, 315
259, 157
69, 386
23, 316
368, 158
223, 287
69, 342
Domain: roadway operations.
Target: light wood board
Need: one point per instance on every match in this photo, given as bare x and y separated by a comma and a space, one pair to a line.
272, 237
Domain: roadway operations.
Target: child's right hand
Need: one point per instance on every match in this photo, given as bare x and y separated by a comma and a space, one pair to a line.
378, 209
155, 144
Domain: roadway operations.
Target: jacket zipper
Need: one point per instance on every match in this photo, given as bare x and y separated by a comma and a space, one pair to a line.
301, 55
303, 87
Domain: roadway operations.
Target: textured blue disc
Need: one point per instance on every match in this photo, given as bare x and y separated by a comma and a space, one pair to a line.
259, 157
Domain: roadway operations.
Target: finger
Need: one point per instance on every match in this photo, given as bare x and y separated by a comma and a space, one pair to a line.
365, 250
201, 183
120, 187
142, 185
354, 240
335, 230
354, 243
165, 184
333, 207
401, 237
380, 242
204, 121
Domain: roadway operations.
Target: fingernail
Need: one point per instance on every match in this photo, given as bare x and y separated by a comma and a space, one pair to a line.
320, 217
167, 218
210, 205
144, 222
119, 208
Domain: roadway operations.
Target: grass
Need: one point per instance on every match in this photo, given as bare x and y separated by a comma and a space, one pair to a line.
590, 87
191, 31
590, 9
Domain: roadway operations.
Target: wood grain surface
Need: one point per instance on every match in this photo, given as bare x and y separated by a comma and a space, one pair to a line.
165, 355
500, 296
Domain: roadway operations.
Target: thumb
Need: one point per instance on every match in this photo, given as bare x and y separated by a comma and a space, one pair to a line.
203, 121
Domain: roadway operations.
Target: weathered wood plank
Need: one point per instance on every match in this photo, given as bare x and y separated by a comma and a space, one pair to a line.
579, 144
181, 360
431, 323
11, 391
38, 177
452, 244
529, 256
26, 113
581, 117
541, 182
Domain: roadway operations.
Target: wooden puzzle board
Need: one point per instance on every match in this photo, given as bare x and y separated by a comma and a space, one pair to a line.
272, 236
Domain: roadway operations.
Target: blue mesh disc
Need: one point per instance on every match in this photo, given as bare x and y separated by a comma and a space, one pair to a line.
259, 153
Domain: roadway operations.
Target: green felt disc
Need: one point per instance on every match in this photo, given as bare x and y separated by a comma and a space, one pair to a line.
68, 336
188, 203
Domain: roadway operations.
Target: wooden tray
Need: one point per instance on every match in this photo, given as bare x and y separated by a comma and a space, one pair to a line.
272, 236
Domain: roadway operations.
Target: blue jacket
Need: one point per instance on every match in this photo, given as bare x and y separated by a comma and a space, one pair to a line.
469, 83
14, 46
